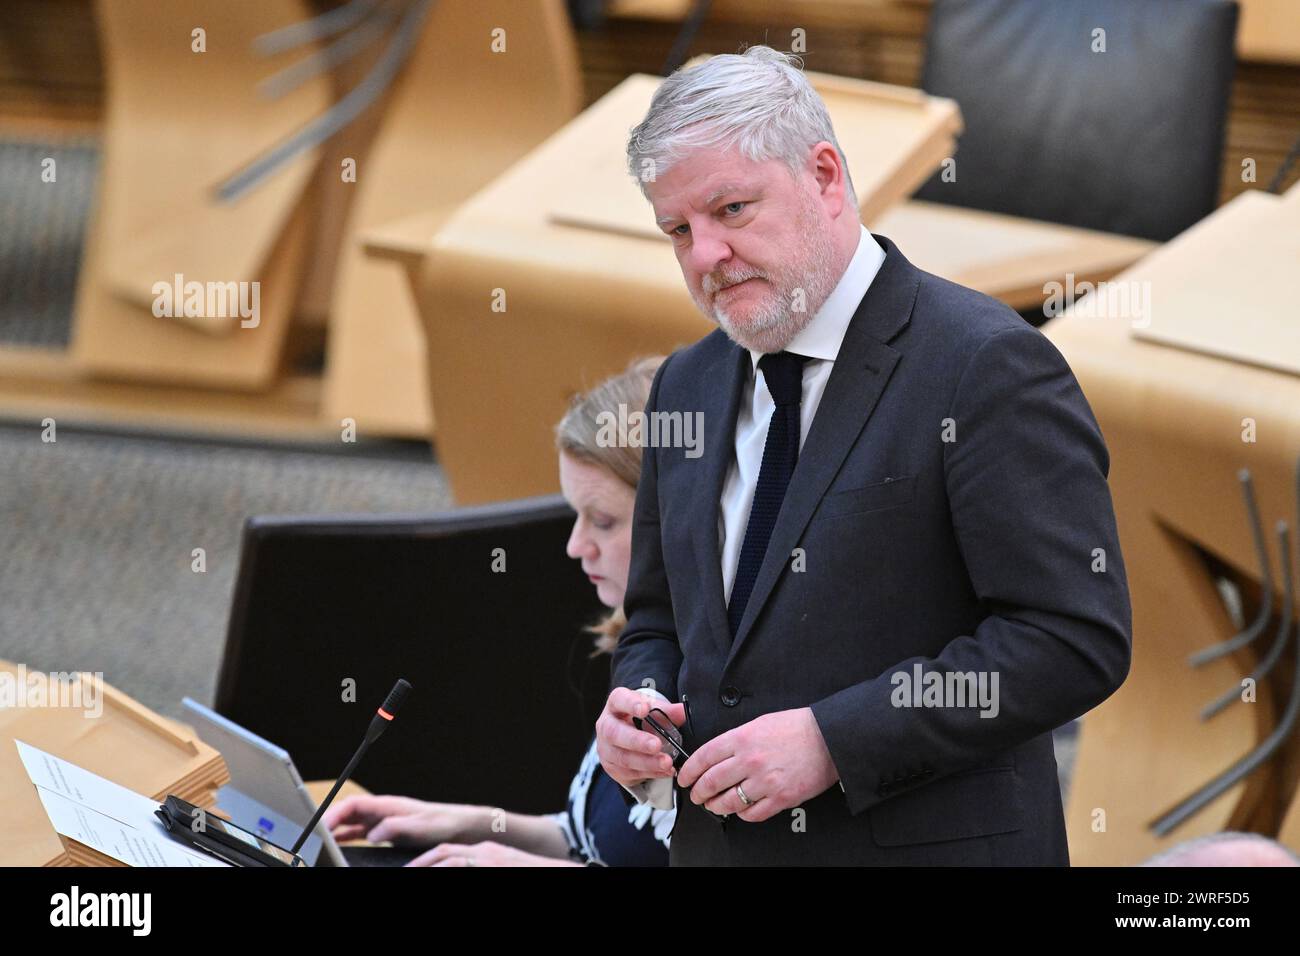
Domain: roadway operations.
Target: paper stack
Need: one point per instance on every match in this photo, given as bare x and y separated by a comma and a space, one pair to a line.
86, 722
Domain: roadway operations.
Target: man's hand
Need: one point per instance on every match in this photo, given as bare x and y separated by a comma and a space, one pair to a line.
631, 756
779, 759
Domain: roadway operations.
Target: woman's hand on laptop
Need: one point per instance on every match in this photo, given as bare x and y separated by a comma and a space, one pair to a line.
486, 853
406, 821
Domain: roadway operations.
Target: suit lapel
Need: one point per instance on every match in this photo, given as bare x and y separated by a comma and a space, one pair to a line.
858, 379
722, 387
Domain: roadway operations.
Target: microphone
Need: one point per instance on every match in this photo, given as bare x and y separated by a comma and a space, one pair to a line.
378, 724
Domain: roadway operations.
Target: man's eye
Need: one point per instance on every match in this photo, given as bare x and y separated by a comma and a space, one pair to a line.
742, 205
675, 231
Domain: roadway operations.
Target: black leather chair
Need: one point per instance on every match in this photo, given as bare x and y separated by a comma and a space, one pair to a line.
1127, 141
505, 695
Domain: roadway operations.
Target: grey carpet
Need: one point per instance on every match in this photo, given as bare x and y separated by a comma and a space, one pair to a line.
96, 533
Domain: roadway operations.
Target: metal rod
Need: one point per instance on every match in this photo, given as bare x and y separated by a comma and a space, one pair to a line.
338, 116
1253, 760
1256, 628
1269, 661
346, 47
316, 28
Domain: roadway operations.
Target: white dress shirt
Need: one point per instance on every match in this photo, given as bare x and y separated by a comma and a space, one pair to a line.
820, 341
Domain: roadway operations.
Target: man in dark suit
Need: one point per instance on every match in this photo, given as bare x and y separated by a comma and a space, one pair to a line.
894, 568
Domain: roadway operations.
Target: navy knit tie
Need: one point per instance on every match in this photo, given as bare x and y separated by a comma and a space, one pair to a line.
783, 373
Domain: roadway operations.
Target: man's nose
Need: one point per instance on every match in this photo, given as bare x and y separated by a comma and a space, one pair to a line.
708, 251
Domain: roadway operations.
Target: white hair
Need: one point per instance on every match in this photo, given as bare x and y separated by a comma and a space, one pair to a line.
759, 101
1227, 848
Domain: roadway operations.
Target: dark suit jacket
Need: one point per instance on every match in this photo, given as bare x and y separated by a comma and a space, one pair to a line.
951, 505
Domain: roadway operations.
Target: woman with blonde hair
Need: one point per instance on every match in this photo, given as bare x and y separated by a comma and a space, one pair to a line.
598, 828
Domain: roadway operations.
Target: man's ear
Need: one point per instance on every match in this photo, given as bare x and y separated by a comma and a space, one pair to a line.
831, 176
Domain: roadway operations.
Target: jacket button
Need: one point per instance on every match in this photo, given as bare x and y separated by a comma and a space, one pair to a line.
730, 697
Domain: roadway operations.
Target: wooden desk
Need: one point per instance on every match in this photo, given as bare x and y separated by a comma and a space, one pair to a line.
1269, 31
1221, 289
116, 738
1173, 420
459, 115
167, 139
1007, 257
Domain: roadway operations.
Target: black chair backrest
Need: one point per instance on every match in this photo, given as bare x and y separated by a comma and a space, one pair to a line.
1129, 140
505, 694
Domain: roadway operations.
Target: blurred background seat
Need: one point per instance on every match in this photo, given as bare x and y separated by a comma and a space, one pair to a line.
1104, 114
